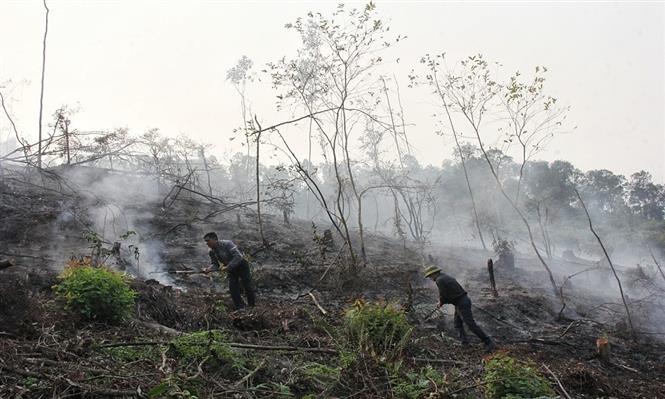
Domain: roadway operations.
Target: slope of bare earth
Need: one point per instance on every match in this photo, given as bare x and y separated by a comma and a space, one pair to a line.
291, 343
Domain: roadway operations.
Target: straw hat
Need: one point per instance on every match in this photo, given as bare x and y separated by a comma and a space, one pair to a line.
429, 270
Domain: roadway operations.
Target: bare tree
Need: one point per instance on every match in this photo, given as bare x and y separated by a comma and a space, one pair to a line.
333, 70
533, 117
62, 122
239, 76
41, 93
202, 153
412, 195
24, 144
433, 80
257, 131
281, 187
609, 261
472, 93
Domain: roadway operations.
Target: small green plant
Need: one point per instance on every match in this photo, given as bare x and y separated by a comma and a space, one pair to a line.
96, 293
414, 385
378, 329
170, 388
220, 308
278, 389
33, 383
210, 345
506, 378
321, 375
346, 359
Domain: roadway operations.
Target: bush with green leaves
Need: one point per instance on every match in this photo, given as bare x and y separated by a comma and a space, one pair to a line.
507, 378
379, 329
415, 385
318, 377
170, 388
210, 346
96, 293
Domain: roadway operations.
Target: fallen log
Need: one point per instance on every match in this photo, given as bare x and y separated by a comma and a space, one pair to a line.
25, 256
233, 345
318, 305
104, 392
572, 323
282, 348
440, 361
23, 373
85, 388
162, 329
563, 390
250, 375
185, 272
6, 263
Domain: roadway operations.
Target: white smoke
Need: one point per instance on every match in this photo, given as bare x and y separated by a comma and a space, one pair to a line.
118, 208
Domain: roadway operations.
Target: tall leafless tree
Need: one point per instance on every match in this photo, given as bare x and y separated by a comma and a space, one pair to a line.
41, 92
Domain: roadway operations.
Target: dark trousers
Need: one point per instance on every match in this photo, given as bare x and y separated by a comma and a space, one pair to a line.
241, 276
464, 315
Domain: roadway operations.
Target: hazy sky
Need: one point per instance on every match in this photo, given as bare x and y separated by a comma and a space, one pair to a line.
143, 64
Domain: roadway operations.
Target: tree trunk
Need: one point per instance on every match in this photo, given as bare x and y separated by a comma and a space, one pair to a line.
660, 269
556, 290
207, 169
66, 122
546, 241
41, 95
616, 276
258, 187
309, 159
466, 174
490, 270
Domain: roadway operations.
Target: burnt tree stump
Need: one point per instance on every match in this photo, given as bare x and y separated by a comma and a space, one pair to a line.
490, 271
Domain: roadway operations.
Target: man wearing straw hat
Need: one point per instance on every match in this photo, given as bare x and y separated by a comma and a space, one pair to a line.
451, 292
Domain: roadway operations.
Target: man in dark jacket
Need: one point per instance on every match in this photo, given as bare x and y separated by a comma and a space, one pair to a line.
225, 256
451, 292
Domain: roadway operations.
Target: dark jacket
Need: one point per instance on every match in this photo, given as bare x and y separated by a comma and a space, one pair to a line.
450, 291
228, 254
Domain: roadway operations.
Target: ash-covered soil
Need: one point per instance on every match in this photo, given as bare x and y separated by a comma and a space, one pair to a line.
47, 352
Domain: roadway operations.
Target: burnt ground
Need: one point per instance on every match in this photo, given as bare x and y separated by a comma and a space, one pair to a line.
48, 352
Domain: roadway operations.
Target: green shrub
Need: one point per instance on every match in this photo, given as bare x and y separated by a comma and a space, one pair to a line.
96, 293
505, 378
415, 385
321, 375
197, 346
171, 388
347, 359
378, 329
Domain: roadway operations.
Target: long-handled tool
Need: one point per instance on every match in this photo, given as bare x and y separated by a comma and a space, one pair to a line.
181, 272
222, 268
